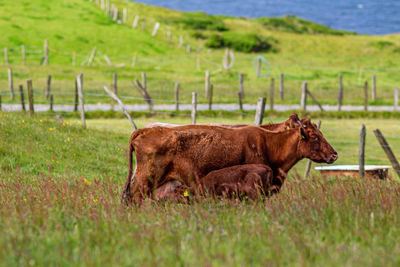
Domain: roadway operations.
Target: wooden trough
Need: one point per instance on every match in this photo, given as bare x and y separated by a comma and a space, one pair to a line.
371, 171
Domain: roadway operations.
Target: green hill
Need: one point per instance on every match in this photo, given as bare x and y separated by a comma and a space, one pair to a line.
302, 50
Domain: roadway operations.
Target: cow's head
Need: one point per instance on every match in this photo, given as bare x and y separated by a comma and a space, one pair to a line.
313, 145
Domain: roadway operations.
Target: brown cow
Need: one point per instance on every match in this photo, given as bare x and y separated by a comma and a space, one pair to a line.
292, 122
187, 153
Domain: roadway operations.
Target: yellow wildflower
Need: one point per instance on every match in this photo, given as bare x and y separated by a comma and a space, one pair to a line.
186, 193
51, 129
68, 139
95, 200
23, 121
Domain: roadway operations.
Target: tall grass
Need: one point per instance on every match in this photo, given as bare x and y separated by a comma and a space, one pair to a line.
318, 221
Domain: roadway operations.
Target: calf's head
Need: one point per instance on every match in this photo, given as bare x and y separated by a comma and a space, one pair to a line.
313, 145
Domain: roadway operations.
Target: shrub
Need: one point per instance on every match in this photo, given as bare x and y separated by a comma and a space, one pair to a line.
243, 42
298, 25
198, 35
382, 44
201, 21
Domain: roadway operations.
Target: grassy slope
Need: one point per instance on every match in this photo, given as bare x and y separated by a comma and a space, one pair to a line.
80, 25
71, 214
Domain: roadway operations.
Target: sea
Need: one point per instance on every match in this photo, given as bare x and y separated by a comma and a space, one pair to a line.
372, 17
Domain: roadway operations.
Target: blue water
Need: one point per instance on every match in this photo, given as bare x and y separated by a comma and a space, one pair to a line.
362, 16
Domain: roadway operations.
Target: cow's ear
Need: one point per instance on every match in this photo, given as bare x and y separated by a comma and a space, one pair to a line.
303, 133
293, 120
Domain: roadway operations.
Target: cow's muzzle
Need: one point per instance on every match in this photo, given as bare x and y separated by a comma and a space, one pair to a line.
332, 158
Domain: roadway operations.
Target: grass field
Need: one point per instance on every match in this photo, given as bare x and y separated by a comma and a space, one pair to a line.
60, 187
316, 58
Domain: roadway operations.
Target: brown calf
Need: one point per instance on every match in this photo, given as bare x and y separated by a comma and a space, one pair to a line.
251, 180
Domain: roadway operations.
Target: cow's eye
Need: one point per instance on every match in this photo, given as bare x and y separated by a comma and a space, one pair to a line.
314, 138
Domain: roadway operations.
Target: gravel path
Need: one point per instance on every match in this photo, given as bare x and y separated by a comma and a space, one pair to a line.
227, 107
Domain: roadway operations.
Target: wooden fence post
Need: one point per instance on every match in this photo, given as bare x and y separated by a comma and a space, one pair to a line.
361, 152
135, 21
188, 49
340, 94
373, 92
51, 102
207, 83
260, 111
241, 87
258, 67
115, 14
155, 29
107, 59
308, 166
11, 83
114, 88
315, 100
303, 103
389, 153
124, 15
271, 94
46, 52
281, 86
76, 99
143, 91
48, 88
210, 97
366, 96
396, 99
180, 41
176, 96
194, 107
107, 7
92, 55
144, 80
21, 92
240, 101
169, 33
30, 97
23, 54
143, 24
79, 81
6, 56
114, 96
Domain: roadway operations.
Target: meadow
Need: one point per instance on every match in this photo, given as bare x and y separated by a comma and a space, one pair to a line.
60, 184
60, 196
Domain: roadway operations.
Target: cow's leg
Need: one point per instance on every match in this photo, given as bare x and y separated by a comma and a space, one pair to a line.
140, 184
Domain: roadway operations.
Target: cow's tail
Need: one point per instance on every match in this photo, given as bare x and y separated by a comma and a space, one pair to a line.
131, 173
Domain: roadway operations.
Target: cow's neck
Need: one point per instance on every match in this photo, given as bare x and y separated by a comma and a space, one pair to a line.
282, 149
